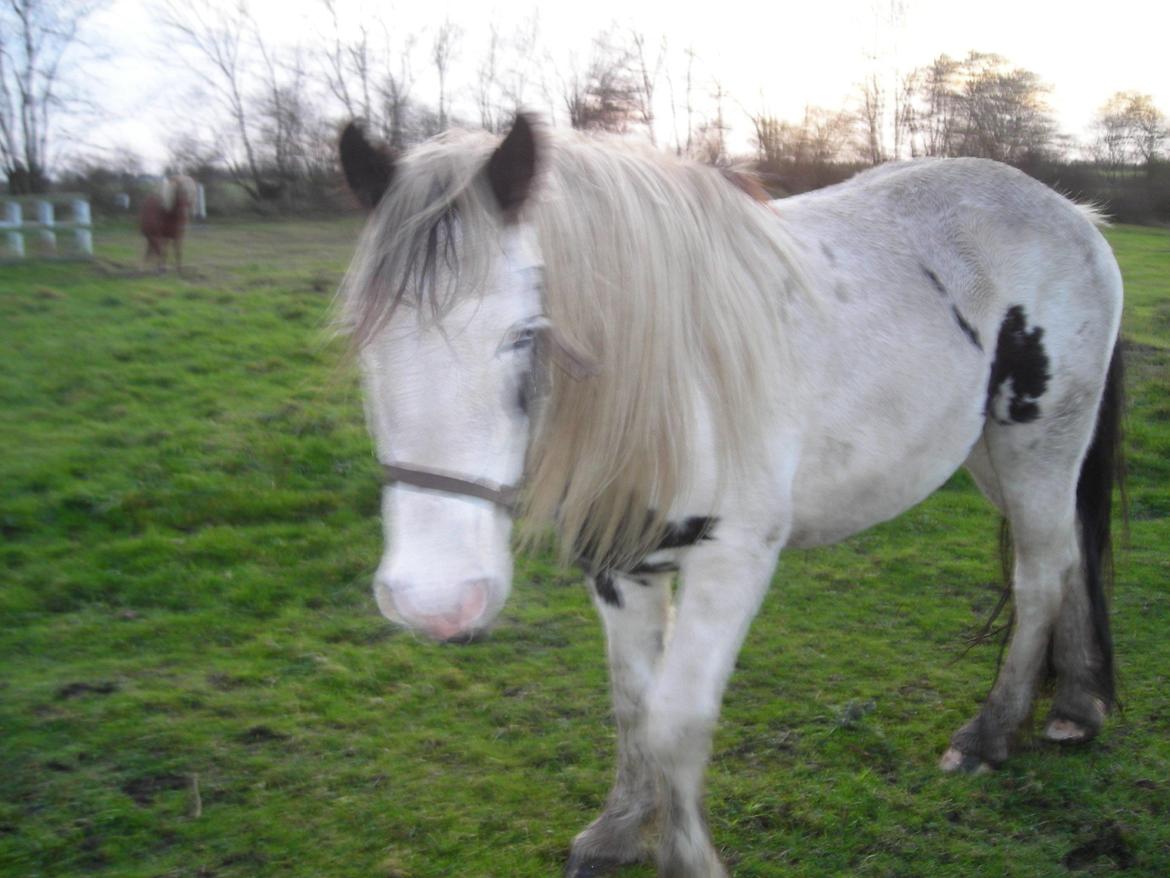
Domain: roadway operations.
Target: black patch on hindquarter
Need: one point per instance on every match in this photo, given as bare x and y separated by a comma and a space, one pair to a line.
1020, 359
935, 282
968, 330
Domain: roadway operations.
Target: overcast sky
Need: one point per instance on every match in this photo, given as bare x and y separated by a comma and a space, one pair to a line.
768, 55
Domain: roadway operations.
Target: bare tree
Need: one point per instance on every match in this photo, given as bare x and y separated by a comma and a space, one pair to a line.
287, 121
871, 114
189, 153
980, 106
371, 74
711, 138
770, 138
523, 55
346, 62
443, 51
881, 96
821, 137
394, 92
37, 40
689, 98
647, 74
1129, 129
218, 37
1006, 114
683, 102
605, 96
904, 114
935, 125
487, 83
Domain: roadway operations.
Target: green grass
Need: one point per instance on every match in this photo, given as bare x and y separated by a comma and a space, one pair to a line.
195, 681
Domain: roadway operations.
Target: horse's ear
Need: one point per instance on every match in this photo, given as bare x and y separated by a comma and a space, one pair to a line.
369, 168
513, 165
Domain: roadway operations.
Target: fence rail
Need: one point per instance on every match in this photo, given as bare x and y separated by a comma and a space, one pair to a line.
29, 226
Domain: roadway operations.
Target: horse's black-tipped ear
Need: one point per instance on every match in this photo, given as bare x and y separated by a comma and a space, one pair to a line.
368, 168
513, 165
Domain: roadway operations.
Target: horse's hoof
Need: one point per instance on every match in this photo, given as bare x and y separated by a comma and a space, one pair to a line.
956, 761
581, 866
1066, 731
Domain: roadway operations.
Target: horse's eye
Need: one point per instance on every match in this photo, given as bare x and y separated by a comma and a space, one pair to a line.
525, 338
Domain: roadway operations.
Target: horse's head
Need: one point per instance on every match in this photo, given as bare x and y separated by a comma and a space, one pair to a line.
444, 301
178, 192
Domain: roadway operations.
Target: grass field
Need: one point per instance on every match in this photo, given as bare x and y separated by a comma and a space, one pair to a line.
194, 680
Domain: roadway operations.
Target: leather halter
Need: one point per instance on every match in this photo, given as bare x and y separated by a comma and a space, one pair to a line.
576, 364
504, 496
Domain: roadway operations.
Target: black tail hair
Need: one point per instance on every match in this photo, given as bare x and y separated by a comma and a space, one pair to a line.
1102, 470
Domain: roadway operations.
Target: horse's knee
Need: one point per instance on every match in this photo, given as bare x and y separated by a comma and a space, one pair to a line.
673, 731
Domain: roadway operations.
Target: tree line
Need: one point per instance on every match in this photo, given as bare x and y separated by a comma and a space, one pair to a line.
272, 110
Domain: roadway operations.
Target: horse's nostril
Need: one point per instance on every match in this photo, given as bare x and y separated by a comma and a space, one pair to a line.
475, 597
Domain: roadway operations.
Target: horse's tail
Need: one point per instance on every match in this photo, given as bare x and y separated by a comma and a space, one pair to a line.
1103, 469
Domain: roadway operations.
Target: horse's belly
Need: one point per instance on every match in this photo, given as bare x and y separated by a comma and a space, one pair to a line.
847, 482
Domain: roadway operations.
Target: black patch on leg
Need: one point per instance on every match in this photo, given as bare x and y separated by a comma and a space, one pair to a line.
675, 535
607, 589
692, 530
968, 330
648, 567
1021, 359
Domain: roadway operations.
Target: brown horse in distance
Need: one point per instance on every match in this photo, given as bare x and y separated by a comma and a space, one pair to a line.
163, 218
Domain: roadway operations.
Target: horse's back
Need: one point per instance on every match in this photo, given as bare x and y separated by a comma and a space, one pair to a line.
977, 206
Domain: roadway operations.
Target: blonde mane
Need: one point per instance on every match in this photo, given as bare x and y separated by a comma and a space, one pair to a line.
170, 189
668, 275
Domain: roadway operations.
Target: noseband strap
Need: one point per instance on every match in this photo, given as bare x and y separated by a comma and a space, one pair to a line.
504, 496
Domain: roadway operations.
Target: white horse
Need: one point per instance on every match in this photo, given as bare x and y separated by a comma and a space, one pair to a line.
681, 379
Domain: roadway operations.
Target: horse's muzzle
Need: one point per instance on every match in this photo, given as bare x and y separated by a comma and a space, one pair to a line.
459, 619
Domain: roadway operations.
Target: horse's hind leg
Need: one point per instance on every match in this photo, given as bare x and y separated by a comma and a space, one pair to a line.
1033, 471
634, 610
1083, 684
1082, 646
1042, 517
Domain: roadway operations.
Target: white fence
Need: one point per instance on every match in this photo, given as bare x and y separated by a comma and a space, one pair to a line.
29, 226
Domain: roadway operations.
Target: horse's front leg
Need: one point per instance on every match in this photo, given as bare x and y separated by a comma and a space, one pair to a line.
635, 611
723, 582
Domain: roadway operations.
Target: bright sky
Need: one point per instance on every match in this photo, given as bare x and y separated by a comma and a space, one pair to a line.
768, 55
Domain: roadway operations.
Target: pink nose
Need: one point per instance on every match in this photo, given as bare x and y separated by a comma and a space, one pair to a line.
447, 625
